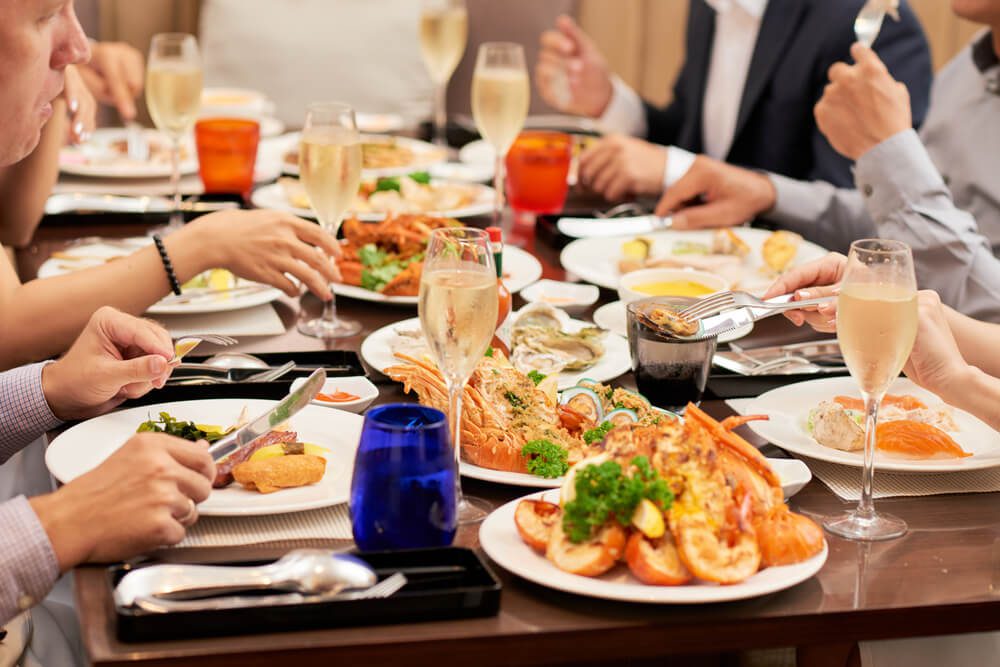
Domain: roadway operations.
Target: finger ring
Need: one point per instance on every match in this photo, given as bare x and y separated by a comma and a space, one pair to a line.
190, 514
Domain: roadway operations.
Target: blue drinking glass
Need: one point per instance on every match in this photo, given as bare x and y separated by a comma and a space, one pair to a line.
403, 490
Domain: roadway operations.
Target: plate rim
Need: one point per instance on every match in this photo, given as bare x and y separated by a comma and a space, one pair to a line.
187, 167
328, 501
890, 465
424, 146
500, 522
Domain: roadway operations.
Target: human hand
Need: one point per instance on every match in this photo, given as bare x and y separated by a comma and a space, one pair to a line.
569, 59
863, 105
264, 245
618, 165
812, 280
114, 75
141, 498
936, 362
116, 357
81, 105
716, 194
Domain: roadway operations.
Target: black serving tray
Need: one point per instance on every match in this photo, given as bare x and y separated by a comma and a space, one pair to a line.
329, 359
444, 583
77, 218
723, 384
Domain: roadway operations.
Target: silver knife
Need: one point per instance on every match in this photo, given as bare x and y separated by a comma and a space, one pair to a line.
280, 413
582, 228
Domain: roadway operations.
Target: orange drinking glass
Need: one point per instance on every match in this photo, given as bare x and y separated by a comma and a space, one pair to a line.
227, 152
537, 166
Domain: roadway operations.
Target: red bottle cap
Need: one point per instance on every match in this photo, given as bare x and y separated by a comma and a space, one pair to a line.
495, 234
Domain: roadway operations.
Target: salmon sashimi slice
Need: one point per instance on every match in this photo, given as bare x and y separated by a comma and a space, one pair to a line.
917, 440
904, 402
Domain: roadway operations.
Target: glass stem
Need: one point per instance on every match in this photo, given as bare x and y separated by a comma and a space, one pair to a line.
330, 307
498, 177
866, 507
176, 217
440, 114
455, 390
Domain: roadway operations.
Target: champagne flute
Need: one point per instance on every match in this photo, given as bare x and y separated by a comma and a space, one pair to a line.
173, 96
876, 327
458, 313
500, 98
330, 169
444, 29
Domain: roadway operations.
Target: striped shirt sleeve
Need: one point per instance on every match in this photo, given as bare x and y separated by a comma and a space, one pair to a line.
24, 413
28, 566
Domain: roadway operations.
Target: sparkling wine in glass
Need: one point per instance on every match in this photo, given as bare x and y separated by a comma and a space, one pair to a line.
330, 169
500, 99
444, 29
458, 312
173, 96
876, 327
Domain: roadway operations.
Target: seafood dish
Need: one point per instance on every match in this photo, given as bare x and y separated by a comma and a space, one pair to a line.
387, 257
540, 342
724, 256
275, 460
907, 427
518, 422
377, 153
414, 193
677, 501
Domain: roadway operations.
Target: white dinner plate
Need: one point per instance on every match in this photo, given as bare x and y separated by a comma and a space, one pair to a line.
376, 351
520, 269
358, 385
424, 155
97, 158
611, 316
500, 540
93, 254
273, 196
788, 408
596, 259
83, 447
794, 475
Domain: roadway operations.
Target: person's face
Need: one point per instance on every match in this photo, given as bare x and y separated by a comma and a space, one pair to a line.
38, 39
980, 11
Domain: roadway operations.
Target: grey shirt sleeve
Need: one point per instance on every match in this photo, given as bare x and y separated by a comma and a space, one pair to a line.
822, 213
910, 202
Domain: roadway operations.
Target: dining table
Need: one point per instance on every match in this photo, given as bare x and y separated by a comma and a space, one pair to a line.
942, 577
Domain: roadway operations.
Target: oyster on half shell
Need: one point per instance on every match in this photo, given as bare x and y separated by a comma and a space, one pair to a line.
549, 350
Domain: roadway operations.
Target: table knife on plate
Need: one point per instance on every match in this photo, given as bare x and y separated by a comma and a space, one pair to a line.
279, 414
582, 228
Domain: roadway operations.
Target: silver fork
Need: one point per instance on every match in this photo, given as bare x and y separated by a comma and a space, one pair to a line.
270, 375
717, 303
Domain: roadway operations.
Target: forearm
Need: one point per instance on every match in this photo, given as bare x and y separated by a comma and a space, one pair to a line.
28, 566
975, 341
130, 284
25, 186
24, 413
978, 393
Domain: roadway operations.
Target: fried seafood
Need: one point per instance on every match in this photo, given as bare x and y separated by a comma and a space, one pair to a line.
280, 472
726, 520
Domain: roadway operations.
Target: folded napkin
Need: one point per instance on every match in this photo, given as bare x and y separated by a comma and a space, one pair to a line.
845, 481
257, 321
216, 531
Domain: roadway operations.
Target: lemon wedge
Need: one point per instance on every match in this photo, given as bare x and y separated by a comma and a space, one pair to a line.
648, 518
550, 388
185, 345
567, 492
213, 429
637, 248
220, 279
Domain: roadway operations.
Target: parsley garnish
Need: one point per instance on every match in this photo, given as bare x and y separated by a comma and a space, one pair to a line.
422, 177
606, 492
536, 377
597, 433
489, 352
547, 458
514, 400
176, 427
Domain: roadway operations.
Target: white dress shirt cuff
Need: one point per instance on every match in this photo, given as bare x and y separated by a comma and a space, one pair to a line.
896, 174
28, 565
624, 113
678, 163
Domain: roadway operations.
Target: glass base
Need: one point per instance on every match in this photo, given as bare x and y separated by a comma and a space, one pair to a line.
865, 527
472, 510
338, 328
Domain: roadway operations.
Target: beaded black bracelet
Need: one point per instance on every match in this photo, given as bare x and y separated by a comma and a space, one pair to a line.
167, 266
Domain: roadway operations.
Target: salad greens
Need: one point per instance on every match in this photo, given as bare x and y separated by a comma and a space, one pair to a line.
181, 429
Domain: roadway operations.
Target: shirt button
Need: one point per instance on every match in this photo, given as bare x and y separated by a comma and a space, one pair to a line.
867, 190
25, 602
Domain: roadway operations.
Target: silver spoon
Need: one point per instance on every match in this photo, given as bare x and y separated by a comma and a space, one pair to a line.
311, 571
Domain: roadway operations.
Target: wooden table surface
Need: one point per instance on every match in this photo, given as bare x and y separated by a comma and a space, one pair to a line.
942, 577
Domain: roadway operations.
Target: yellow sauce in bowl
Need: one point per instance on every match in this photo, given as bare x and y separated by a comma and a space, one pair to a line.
673, 288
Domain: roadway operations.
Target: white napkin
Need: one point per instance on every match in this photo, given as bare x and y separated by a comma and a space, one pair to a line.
215, 531
260, 320
845, 481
